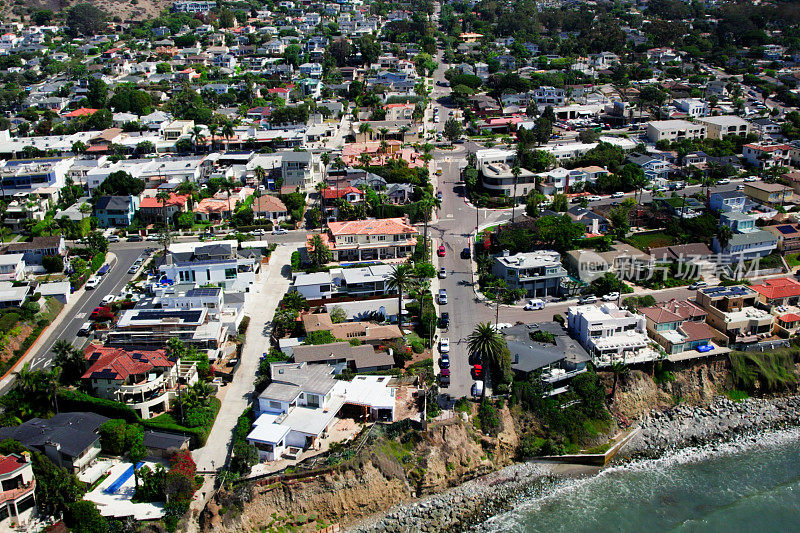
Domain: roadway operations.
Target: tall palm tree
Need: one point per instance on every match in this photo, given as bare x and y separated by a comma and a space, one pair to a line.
364, 128
486, 344
213, 129
384, 147
228, 132
321, 188
339, 163
196, 132
325, 159
618, 369
384, 132
260, 174
516, 171
399, 280
365, 159
164, 197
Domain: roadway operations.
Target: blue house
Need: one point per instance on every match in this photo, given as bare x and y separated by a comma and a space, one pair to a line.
116, 211
727, 201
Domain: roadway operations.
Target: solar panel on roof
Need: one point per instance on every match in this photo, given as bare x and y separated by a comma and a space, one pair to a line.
786, 230
189, 316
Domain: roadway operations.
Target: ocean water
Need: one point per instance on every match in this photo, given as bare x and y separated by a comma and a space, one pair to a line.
749, 485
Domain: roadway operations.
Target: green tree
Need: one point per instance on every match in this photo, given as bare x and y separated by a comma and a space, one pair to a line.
69, 360
120, 183
86, 19
487, 345
319, 254
399, 280
453, 129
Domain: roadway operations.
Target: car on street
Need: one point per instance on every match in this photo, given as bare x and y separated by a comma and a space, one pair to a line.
618, 194
442, 273
101, 313
154, 237
444, 320
698, 285
477, 389
588, 299
477, 371
442, 296
92, 283
107, 300
723, 181
594, 198
135, 238
439, 195
85, 329
444, 362
113, 238
465, 253
610, 297
740, 187
444, 345
445, 372
750, 179
133, 269
279, 231
534, 305
441, 251
258, 231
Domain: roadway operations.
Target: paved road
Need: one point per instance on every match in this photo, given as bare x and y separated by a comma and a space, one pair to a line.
112, 283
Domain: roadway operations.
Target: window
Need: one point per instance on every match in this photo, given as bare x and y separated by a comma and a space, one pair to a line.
230, 273
275, 405
312, 400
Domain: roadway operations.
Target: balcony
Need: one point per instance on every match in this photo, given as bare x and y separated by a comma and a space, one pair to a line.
15, 494
142, 387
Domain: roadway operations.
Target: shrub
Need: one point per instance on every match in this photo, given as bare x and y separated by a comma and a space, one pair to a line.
53, 264
765, 371
488, 418
8, 321
295, 261
242, 329
559, 318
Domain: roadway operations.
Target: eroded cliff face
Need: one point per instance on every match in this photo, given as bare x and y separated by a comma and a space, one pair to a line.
443, 456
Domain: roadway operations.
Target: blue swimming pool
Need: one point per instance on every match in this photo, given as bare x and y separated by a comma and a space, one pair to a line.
125, 476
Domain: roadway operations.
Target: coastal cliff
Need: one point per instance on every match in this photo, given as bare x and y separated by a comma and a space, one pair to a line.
451, 475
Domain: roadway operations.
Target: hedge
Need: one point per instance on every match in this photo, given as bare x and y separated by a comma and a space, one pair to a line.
74, 400
97, 261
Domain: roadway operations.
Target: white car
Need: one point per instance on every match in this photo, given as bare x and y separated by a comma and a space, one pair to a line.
750, 179
723, 181
611, 296
108, 299
279, 231
594, 198
618, 195
92, 283
533, 305
444, 345
153, 237
258, 231
113, 238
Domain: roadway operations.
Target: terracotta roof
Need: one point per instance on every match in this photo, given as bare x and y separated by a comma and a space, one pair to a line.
697, 331
268, 203
215, 205
778, 288
9, 463
333, 193
659, 315
789, 317
81, 112
117, 364
174, 199
672, 311
379, 226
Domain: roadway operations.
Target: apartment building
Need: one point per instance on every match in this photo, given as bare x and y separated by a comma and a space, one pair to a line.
499, 178
731, 310
17, 488
674, 130
149, 329
769, 193
767, 154
607, 332
539, 272
300, 169
719, 127
373, 239
678, 326
116, 211
145, 381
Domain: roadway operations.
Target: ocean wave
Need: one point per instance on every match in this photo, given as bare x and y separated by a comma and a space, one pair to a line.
569, 497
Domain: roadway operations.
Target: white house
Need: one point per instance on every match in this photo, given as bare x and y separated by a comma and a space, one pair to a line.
608, 332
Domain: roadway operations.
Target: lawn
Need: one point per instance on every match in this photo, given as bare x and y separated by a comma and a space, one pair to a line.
643, 241
792, 260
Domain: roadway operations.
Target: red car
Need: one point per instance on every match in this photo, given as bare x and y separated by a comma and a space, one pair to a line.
102, 314
441, 251
477, 371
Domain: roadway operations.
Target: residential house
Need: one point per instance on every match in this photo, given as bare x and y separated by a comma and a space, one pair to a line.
558, 361
315, 286
218, 263
17, 488
765, 126
363, 240
116, 211
788, 236
769, 193
146, 381
727, 201
399, 193
271, 208
366, 332
655, 169
12, 267
731, 310
69, 440
738, 222
607, 332
154, 210
767, 154
720, 126
150, 329
591, 221
38, 248
539, 273
343, 355
301, 169
623, 259
674, 130
778, 291
177, 129
693, 107
745, 246
499, 179
678, 326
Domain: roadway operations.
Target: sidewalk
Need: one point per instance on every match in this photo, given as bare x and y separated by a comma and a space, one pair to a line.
55, 326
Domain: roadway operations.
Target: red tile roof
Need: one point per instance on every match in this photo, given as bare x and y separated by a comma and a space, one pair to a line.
789, 317
269, 204
174, 199
9, 463
333, 193
379, 226
778, 288
81, 112
117, 364
697, 331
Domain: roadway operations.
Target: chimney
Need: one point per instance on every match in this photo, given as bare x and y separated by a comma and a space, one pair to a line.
506, 253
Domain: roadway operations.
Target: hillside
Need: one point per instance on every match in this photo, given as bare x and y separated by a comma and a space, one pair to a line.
124, 9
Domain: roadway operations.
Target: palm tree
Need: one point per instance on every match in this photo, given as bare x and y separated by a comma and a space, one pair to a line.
212, 130
260, 175
339, 163
319, 254
228, 132
365, 159
85, 209
196, 132
516, 171
321, 188
325, 159
164, 197
384, 147
399, 280
724, 234
70, 360
364, 128
618, 369
384, 132
486, 344
188, 188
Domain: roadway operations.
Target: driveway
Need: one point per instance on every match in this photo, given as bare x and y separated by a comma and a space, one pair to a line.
265, 295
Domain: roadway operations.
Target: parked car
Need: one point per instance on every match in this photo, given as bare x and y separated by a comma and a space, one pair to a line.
442, 273
444, 362
534, 305
439, 195
594, 198
618, 194
107, 300
101, 313
92, 283
85, 329
113, 238
441, 251
723, 181
477, 371
465, 253
445, 372
477, 389
444, 320
444, 381
750, 179
134, 269
610, 297
698, 285
588, 299
279, 231
740, 187
135, 238
153, 237
258, 231
444, 345
442, 296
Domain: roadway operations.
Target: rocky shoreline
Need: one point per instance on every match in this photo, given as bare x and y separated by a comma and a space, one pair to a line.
469, 504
